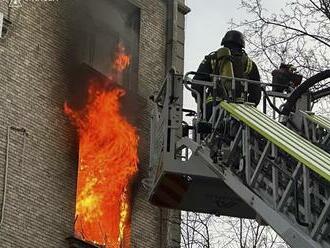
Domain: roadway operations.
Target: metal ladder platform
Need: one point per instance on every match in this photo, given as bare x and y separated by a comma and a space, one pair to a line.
318, 120
264, 170
316, 129
299, 148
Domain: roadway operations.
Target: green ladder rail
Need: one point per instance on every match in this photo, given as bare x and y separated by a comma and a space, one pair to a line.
299, 148
317, 119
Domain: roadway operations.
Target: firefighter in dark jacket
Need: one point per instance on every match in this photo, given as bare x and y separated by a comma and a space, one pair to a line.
242, 67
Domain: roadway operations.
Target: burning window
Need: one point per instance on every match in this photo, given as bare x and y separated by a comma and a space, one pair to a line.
107, 43
107, 161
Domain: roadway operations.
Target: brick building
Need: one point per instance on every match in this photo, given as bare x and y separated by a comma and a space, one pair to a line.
40, 43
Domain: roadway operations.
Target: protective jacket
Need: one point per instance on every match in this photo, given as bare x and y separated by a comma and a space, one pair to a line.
243, 67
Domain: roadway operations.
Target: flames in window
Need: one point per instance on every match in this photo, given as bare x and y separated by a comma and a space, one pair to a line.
108, 161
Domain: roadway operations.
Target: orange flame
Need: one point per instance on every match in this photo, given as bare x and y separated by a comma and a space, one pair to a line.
122, 60
107, 164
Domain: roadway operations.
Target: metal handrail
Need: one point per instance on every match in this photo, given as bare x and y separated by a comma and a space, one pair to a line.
219, 77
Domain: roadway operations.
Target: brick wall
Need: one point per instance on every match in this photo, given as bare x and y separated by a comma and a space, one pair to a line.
41, 191
146, 219
34, 62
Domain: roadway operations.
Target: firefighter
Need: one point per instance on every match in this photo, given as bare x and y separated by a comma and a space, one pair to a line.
218, 63
285, 78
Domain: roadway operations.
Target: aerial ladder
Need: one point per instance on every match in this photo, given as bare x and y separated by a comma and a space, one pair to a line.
241, 162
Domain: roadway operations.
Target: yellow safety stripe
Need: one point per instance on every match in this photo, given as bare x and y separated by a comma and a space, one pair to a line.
249, 66
210, 99
213, 64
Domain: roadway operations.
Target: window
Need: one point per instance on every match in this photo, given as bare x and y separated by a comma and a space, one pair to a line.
99, 27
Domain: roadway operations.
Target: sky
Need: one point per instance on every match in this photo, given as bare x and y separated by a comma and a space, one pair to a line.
207, 23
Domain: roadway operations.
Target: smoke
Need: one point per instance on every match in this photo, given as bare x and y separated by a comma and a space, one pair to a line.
107, 14
98, 26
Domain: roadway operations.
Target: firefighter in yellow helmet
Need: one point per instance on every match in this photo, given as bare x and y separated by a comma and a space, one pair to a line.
243, 67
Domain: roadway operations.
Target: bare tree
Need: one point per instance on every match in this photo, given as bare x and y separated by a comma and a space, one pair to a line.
208, 231
299, 34
195, 230
244, 233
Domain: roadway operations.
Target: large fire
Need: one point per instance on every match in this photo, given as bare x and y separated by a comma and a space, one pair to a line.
107, 163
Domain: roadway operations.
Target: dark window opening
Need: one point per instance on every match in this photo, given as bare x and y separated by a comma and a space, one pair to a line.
99, 27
